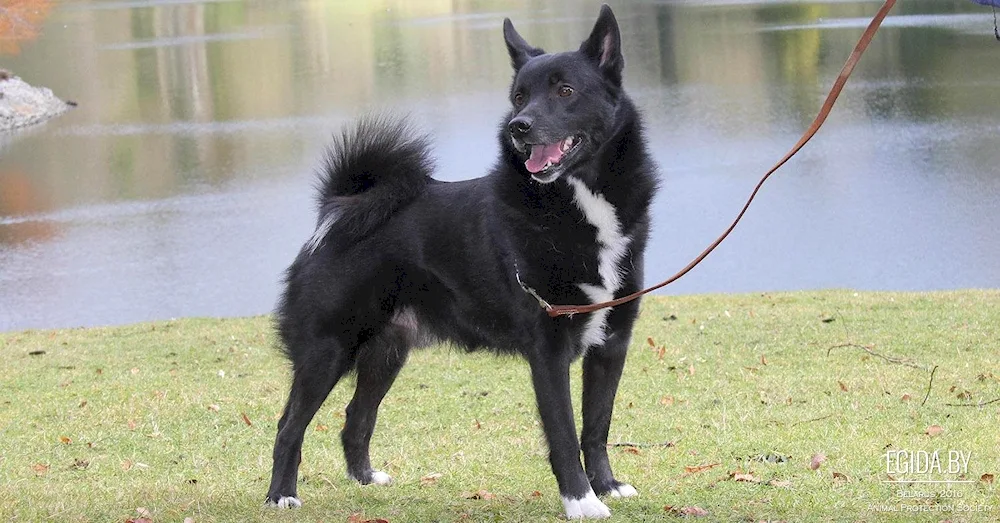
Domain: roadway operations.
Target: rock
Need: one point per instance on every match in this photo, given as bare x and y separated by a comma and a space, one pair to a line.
22, 105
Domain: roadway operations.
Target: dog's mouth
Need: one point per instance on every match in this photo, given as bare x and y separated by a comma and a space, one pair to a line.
545, 157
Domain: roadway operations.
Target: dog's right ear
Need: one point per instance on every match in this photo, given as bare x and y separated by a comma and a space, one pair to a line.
519, 50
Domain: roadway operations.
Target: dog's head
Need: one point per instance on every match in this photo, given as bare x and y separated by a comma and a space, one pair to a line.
563, 103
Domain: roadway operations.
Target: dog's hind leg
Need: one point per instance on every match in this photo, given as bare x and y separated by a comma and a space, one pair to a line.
550, 377
311, 383
602, 369
379, 362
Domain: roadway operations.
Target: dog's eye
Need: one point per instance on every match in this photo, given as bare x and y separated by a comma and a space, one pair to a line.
565, 91
518, 99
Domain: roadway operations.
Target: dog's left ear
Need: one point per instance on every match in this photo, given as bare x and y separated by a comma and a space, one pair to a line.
604, 46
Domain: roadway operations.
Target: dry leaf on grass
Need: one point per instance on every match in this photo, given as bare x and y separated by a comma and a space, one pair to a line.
699, 468
246, 419
667, 400
536, 494
633, 450
685, 511
213, 407
841, 477
40, 468
481, 494
906, 397
816, 460
934, 430
842, 386
780, 483
986, 478
65, 440
743, 476
430, 479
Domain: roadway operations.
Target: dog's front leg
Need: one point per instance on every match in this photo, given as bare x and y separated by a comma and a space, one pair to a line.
550, 376
602, 368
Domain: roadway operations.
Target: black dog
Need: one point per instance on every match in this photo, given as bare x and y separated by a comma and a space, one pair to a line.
399, 260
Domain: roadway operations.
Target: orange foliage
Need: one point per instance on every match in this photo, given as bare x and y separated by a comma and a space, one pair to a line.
20, 21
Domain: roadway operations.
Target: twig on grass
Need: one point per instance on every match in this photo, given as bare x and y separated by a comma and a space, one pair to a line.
980, 404
812, 420
645, 445
868, 349
929, 383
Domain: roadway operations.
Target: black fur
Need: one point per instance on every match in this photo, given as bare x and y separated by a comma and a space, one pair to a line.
408, 259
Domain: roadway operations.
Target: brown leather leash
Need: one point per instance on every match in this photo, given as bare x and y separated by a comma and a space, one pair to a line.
838, 85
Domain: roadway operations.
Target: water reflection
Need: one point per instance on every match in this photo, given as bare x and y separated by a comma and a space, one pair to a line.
181, 184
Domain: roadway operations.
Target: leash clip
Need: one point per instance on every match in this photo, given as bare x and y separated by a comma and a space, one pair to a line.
541, 301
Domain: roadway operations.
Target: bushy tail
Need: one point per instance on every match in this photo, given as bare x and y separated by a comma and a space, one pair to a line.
371, 170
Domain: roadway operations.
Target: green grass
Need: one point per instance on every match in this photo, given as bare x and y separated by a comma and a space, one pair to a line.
108, 420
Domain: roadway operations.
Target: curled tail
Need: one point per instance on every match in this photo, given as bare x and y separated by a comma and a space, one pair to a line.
372, 169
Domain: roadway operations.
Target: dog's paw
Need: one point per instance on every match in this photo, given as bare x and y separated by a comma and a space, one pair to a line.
381, 478
623, 490
285, 502
588, 507
374, 477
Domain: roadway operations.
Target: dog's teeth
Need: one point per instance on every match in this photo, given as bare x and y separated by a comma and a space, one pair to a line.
567, 143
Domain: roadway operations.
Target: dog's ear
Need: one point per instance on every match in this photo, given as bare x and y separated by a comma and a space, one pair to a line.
604, 46
520, 51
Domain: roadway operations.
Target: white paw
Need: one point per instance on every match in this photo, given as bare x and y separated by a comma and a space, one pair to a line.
288, 502
586, 507
381, 478
623, 491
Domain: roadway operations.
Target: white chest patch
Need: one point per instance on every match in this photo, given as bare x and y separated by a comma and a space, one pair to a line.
613, 245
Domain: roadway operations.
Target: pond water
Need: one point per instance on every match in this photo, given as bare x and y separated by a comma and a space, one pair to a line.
182, 184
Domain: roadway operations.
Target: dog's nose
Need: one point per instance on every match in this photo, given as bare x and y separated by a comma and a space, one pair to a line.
519, 126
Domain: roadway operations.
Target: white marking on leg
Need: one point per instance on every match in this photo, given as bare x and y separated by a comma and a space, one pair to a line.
624, 491
586, 507
288, 502
602, 215
381, 478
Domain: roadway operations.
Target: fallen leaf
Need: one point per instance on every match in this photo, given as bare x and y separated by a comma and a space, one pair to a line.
986, 478
691, 370
322, 428
648, 340
40, 468
660, 352
743, 476
481, 494
906, 397
536, 494
475, 423
246, 419
80, 464
685, 511
135, 370
780, 483
842, 386
83, 403
667, 400
934, 430
213, 407
699, 468
842, 477
65, 440
816, 460
763, 360
131, 424
633, 450
430, 479
127, 464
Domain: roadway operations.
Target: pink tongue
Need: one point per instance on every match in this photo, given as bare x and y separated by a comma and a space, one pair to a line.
542, 154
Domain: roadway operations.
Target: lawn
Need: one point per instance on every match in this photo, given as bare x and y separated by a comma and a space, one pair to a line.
726, 403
